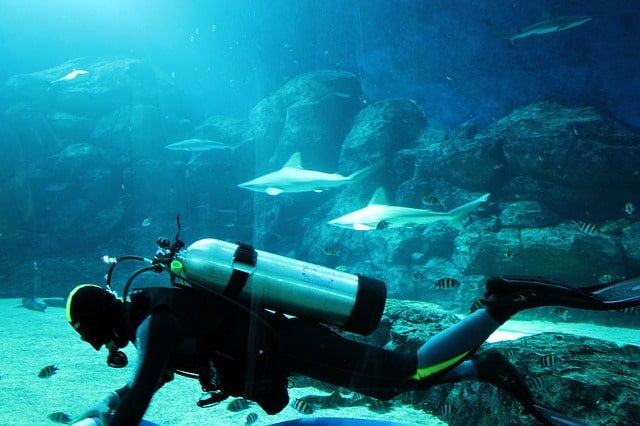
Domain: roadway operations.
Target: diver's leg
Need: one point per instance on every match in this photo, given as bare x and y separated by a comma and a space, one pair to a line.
455, 344
312, 350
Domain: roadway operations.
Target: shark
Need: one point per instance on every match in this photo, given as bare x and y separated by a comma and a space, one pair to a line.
73, 74
378, 214
292, 177
551, 25
199, 145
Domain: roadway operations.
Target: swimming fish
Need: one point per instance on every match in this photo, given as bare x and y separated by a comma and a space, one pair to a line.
379, 210
330, 251
333, 400
447, 283
48, 371
418, 276
383, 224
302, 407
548, 360
292, 177
629, 208
537, 383
238, 404
430, 200
445, 409
146, 222
33, 304
380, 406
198, 145
251, 419
609, 278
551, 25
60, 417
587, 227
73, 74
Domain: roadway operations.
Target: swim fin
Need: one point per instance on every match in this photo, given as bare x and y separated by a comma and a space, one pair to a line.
508, 294
558, 419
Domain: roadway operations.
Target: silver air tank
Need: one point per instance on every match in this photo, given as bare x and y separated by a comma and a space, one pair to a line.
351, 302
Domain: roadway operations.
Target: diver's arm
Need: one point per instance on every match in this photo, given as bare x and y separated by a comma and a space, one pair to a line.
156, 337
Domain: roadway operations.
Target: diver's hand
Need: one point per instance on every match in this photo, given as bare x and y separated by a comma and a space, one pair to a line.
102, 410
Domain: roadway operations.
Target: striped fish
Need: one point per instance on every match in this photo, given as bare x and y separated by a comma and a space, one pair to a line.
511, 354
380, 406
302, 407
445, 409
60, 417
383, 224
447, 283
587, 228
476, 305
537, 383
251, 419
238, 404
548, 360
48, 371
430, 200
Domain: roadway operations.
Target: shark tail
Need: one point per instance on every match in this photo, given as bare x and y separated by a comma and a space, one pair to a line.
508, 39
459, 213
362, 174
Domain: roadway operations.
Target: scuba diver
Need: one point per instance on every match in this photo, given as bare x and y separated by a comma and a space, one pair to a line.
237, 347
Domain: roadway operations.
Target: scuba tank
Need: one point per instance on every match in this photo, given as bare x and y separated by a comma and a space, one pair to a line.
352, 302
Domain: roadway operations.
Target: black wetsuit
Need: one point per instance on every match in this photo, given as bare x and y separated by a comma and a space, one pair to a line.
252, 352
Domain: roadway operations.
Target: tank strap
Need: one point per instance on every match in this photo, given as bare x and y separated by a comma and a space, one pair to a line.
246, 254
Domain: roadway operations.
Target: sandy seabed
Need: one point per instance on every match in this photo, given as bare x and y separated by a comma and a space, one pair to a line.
32, 340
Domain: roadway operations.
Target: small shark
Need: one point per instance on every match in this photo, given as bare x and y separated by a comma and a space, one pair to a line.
378, 214
33, 304
73, 74
551, 25
198, 145
293, 178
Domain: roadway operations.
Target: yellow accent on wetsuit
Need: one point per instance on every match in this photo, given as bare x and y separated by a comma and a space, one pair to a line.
70, 299
424, 372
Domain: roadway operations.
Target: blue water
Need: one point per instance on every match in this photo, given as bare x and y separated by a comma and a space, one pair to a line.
85, 171
442, 53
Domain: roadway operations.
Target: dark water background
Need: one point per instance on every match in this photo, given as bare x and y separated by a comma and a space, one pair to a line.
441, 52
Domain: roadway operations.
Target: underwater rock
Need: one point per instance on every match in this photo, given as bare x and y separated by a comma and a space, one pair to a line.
527, 214
380, 130
130, 132
630, 242
311, 113
221, 128
475, 163
562, 252
576, 146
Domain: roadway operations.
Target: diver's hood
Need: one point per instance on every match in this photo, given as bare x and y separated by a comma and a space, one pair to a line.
90, 311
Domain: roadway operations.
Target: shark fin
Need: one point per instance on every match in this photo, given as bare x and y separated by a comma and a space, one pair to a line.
274, 191
362, 174
456, 215
294, 162
379, 198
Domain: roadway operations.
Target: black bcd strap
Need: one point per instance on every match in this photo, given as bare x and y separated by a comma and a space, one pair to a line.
246, 254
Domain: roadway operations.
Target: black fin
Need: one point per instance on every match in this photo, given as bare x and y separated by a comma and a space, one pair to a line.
522, 292
558, 419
